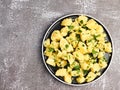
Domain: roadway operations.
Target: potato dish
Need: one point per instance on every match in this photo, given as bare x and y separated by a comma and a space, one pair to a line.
78, 49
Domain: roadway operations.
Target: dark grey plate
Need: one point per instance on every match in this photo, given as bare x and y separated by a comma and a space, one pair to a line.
56, 26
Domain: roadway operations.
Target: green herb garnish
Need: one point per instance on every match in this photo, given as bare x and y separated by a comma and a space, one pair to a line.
85, 72
81, 22
78, 71
85, 27
95, 36
90, 40
66, 46
76, 67
78, 37
83, 45
77, 55
79, 30
70, 27
94, 52
51, 50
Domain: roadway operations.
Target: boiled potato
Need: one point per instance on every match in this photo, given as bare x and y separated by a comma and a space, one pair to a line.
108, 47
101, 54
102, 63
64, 31
78, 55
56, 35
82, 19
61, 72
91, 76
71, 58
82, 47
68, 78
64, 45
51, 62
80, 79
92, 24
77, 50
47, 43
66, 22
95, 68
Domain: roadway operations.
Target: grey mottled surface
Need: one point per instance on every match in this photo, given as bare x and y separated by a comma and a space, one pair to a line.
22, 25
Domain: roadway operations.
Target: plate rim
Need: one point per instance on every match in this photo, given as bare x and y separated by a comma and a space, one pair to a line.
77, 14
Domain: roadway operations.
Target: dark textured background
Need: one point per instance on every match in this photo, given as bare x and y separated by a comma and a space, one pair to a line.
22, 26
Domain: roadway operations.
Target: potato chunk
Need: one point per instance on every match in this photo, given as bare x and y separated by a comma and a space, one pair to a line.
80, 79
47, 42
78, 55
61, 72
66, 22
82, 19
108, 47
64, 45
56, 35
51, 62
95, 68
68, 78
91, 76
64, 31
92, 24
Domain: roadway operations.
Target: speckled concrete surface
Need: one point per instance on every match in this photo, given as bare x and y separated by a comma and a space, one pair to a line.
22, 26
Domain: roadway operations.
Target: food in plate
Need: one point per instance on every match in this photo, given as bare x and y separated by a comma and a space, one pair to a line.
78, 49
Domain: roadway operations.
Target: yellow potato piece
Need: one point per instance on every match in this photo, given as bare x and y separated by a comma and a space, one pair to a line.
80, 79
61, 63
92, 24
75, 25
101, 54
54, 44
66, 22
56, 35
84, 65
99, 29
78, 55
64, 45
102, 63
108, 47
82, 47
47, 42
68, 78
64, 31
82, 19
61, 72
95, 68
85, 35
51, 62
91, 76
71, 58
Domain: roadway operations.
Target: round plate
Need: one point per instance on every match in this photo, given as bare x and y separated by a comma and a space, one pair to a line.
57, 26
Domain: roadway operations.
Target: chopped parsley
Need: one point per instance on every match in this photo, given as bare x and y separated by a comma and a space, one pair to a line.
90, 40
85, 27
83, 45
66, 46
94, 52
77, 55
78, 71
95, 36
51, 49
81, 22
78, 37
85, 72
76, 67
70, 27
79, 30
